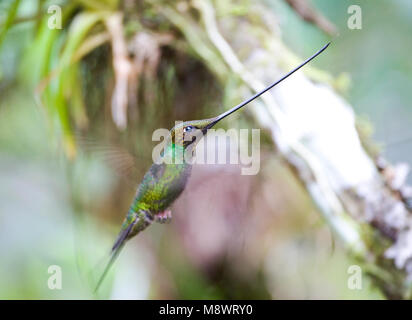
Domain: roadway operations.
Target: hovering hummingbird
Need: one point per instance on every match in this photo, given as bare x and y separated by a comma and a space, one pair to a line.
166, 179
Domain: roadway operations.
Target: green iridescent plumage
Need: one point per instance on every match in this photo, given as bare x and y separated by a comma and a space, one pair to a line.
161, 185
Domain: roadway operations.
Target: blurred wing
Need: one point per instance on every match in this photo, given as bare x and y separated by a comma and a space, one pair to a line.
123, 162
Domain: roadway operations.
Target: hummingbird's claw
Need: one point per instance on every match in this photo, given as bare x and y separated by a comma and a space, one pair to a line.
164, 217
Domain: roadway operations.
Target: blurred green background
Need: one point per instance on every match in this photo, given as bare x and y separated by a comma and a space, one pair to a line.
231, 236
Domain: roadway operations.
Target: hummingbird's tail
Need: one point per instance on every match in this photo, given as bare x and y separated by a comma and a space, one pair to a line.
113, 257
117, 247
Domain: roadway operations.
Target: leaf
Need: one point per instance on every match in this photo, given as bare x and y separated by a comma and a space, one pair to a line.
11, 15
81, 25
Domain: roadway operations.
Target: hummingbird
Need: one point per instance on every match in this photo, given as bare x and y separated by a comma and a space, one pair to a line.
166, 179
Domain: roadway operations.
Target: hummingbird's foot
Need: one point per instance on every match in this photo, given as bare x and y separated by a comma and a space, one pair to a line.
164, 217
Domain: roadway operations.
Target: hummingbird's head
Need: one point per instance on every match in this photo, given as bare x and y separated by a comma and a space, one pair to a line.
189, 133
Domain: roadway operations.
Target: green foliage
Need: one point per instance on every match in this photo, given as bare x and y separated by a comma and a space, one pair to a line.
10, 16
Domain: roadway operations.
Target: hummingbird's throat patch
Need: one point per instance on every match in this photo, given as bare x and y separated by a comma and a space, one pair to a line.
218, 146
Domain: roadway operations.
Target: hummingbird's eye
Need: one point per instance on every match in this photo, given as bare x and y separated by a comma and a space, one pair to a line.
188, 128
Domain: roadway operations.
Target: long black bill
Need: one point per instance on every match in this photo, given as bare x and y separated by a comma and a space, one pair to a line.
242, 104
